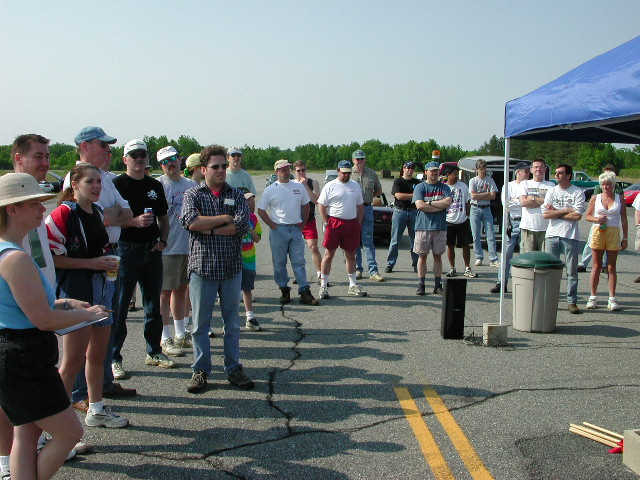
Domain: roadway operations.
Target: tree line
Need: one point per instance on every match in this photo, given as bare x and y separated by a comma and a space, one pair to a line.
589, 157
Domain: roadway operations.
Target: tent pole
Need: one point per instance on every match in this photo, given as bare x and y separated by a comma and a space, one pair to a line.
505, 214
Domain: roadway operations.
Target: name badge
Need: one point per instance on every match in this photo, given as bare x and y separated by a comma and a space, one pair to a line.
230, 201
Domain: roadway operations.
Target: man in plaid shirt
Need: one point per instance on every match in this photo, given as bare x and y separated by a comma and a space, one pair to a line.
217, 217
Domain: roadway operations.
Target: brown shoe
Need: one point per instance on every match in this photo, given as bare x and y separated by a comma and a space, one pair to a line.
573, 308
286, 295
81, 406
637, 280
307, 299
118, 391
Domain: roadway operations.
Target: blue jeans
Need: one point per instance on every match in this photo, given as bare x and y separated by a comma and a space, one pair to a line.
138, 264
202, 292
109, 300
366, 237
570, 248
287, 240
400, 220
480, 217
511, 246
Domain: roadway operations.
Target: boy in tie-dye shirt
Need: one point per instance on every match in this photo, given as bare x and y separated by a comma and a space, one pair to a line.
249, 262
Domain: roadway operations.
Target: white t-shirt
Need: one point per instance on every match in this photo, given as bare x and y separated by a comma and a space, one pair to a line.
460, 196
561, 198
341, 199
636, 202
108, 198
48, 269
515, 209
178, 239
532, 218
284, 202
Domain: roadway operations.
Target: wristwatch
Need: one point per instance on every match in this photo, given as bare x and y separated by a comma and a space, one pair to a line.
163, 241
430, 202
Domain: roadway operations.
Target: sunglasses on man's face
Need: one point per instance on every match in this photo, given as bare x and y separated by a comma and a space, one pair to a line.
100, 142
235, 155
166, 161
138, 154
216, 167
301, 170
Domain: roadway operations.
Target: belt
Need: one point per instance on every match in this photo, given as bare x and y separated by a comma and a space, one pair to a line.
480, 206
366, 204
516, 218
406, 209
140, 244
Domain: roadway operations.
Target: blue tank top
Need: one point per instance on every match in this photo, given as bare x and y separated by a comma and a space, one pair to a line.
11, 316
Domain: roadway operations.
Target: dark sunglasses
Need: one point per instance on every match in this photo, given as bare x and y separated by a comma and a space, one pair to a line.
234, 155
301, 170
216, 167
101, 143
138, 154
165, 161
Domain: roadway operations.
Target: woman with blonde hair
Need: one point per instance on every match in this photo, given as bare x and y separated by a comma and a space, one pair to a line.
32, 394
607, 211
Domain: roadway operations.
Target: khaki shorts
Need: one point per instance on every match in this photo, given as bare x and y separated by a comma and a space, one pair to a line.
531, 241
174, 271
608, 239
434, 241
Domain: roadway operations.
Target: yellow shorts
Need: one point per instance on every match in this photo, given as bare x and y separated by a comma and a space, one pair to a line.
608, 239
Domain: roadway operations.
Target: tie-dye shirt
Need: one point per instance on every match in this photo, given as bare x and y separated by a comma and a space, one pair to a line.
249, 246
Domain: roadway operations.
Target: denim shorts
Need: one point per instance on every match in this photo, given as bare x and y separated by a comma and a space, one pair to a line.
30, 386
103, 291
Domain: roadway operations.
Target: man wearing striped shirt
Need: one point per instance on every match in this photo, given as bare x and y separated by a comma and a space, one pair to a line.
217, 217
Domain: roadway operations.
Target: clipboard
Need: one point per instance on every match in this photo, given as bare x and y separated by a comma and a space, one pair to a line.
78, 326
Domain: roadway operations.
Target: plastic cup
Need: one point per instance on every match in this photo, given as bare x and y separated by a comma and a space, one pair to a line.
112, 275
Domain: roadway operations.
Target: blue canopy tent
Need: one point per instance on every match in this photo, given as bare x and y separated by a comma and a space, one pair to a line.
599, 101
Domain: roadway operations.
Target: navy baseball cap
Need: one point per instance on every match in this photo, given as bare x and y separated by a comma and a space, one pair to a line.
522, 166
345, 166
93, 133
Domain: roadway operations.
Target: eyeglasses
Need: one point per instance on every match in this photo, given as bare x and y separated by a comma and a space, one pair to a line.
165, 161
100, 142
301, 169
138, 154
216, 167
561, 172
235, 155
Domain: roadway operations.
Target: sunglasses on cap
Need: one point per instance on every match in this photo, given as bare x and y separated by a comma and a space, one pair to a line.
216, 167
165, 161
138, 154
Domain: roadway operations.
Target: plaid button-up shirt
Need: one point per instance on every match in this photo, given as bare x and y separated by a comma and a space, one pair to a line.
215, 257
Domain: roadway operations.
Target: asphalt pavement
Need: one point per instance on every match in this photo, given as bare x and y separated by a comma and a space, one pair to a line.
367, 388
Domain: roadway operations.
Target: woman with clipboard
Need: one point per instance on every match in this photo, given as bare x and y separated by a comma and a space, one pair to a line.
32, 394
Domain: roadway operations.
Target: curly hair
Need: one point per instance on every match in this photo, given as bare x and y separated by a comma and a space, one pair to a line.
211, 151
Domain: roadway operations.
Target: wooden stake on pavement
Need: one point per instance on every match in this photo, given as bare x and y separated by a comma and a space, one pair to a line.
613, 434
593, 437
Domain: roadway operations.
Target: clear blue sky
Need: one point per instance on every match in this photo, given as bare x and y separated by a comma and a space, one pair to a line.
285, 73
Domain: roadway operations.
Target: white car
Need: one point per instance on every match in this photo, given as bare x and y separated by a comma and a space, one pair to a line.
46, 187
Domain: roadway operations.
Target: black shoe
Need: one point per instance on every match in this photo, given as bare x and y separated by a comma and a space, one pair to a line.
286, 295
415, 269
437, 290
388, 269
582, 269
295, 282
198, 382
421, 290
132, 306
496, 289
212, 334
240, 380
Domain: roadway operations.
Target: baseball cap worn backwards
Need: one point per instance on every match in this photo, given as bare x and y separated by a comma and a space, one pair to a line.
93, 133
432, 166
193, 160
358, 154
135, 144
281, 163
345, 166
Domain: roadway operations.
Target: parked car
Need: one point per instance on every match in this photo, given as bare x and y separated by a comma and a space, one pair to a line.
273, 177
46, 187
382, 213
630, 193
56, 180
330, 175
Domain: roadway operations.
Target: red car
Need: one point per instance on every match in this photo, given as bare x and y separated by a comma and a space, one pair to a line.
630, 193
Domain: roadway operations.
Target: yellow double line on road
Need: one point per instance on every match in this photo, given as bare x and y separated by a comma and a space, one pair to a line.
428, 445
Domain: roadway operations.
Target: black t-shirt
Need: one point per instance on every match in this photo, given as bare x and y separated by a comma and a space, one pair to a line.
94, 231
141, 194
400, 185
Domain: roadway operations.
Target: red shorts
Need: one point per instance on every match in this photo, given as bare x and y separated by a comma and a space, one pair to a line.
310, 230
342, 233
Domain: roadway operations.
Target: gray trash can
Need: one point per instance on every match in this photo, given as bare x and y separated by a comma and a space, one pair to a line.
536, 289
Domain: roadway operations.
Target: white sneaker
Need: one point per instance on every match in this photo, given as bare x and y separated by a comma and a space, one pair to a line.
170, 348
106, 418
478, 262
324, 293
376, 277
118, 371
357, 291
470, 273
252, 324
613, 305
495, 263
592, 304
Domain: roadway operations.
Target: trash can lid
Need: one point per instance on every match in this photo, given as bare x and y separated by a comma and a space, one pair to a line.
537, 260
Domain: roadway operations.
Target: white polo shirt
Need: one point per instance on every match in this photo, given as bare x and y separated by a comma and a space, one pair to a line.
341, 199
